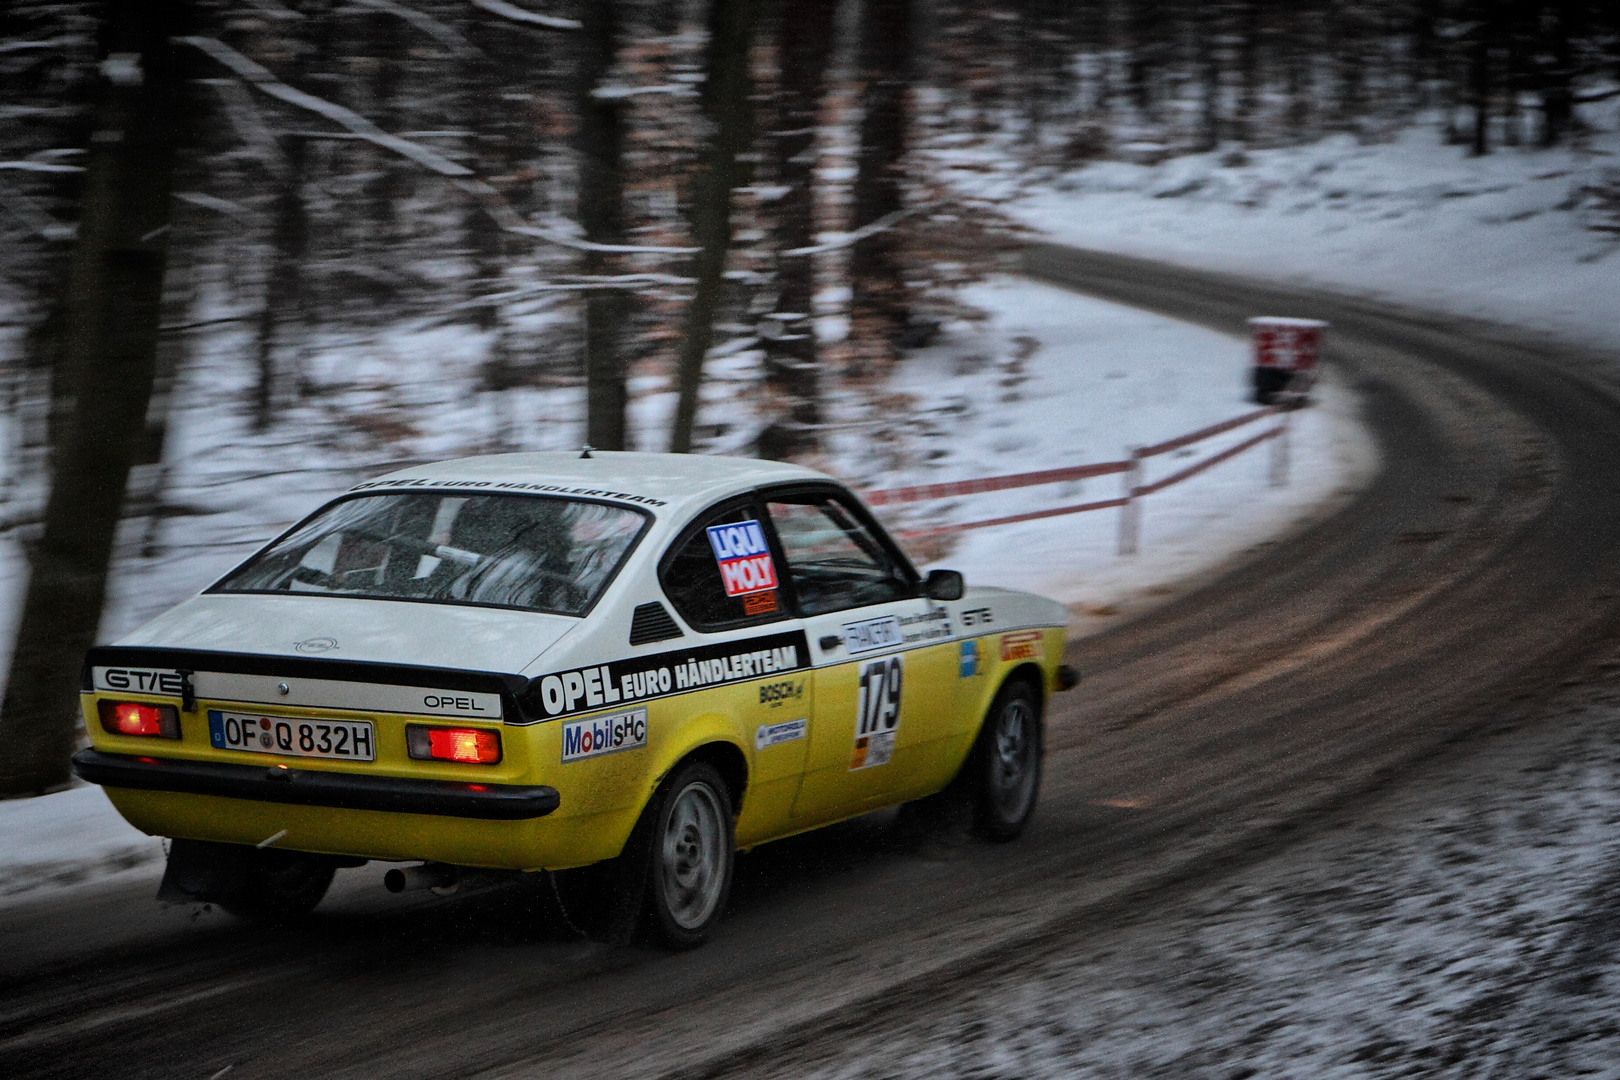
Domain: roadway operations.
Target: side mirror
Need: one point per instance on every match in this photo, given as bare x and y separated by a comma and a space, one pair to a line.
944, 585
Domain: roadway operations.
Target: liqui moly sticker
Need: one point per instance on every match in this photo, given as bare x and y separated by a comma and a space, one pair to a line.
744, 557
604, 735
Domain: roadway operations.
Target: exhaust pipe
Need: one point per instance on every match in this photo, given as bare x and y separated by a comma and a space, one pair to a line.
442, 878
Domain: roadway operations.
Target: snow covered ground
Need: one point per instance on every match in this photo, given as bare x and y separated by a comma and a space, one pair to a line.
1502, 237
1463, 926
1054, 379
1048, 379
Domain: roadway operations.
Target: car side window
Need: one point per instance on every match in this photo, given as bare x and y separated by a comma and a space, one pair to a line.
833, 560
722, 572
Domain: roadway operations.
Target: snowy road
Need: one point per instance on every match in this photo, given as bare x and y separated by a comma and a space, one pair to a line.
1480, 567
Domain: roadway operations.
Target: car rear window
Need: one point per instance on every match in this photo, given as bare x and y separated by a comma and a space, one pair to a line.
537, 553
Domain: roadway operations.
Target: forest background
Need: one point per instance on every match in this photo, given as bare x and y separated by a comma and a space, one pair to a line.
693, 225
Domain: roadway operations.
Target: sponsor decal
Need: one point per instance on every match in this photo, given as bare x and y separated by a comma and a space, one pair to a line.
368, 697
744, 558
970, 660
872, 634
930, 627
979, 616
777, 734
877, 712
622, 682
760, 603
139, 680
1024, 645
508, 485
600, 735
775, 695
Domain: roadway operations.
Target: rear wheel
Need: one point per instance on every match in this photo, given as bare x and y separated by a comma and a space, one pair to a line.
262, 885
1006, 762
690, 855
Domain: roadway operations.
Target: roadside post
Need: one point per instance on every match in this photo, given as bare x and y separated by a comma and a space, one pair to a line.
1280, 449
1285, 352
1130, 510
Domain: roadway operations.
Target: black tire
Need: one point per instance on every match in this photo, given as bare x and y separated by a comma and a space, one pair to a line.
688, 856
1005, 766
266, 885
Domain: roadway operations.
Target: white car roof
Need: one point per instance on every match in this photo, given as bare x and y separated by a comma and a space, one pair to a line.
665, 482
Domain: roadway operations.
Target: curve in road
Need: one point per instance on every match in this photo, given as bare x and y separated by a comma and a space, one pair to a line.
1480, 566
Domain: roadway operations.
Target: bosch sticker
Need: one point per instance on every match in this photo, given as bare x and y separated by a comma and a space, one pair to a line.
877, 712
774, 695
744, 557
604, 735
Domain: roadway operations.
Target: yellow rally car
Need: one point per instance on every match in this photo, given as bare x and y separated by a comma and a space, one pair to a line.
545, 661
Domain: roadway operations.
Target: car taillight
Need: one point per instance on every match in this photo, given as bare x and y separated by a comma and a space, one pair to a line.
472, 746
137, 718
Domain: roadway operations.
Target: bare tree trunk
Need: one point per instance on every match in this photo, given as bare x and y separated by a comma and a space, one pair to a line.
599, 148
112, 313
1300, 85
387, 35
1249, 30
1145, 47
1557, 82
1350, 63
283, 291
804, 32
1479, 75
1206, 30
879, 308
726, 106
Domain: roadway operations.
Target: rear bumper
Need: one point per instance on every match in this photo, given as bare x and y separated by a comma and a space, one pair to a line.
346, 791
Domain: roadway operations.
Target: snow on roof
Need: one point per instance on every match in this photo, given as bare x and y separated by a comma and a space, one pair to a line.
646, 479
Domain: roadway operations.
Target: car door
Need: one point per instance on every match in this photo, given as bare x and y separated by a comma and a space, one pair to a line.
885, 679
721, 575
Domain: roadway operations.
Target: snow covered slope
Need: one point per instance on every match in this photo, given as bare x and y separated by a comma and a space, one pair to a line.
1503, 237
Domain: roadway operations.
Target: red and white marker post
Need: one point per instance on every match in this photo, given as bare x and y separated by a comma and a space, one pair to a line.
1285, 352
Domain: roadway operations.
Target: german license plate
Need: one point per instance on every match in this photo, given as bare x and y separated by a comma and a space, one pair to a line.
292, 736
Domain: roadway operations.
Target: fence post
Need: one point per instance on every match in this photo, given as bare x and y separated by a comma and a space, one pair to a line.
1130, 515
1280, 451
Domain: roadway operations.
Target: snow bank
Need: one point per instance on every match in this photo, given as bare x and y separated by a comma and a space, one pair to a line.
1502, 237
67, 838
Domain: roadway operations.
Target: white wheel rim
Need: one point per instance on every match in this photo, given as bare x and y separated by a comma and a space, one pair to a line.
691, 870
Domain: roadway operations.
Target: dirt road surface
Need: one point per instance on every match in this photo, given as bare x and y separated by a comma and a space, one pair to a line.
1478, 569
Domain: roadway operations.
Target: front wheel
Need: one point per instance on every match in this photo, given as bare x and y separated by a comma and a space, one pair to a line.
1006, 763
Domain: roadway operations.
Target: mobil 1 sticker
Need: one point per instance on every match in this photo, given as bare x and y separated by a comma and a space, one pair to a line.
604, 735
877, 712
